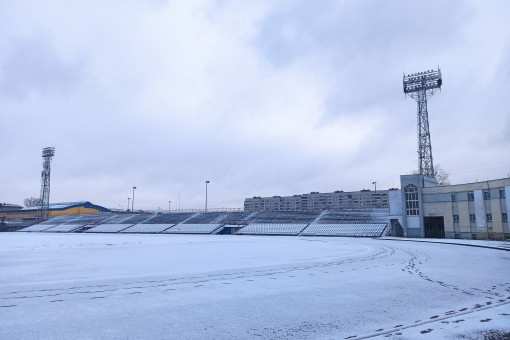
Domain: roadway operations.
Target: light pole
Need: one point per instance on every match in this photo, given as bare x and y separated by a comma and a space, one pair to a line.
133, 200
375, 194
128, 204
206, 182
169, 204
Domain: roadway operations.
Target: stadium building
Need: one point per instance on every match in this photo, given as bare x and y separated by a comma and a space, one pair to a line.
55, 209
9, 207
468, 211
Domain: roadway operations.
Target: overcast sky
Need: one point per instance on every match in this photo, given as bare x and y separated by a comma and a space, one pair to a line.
261, 98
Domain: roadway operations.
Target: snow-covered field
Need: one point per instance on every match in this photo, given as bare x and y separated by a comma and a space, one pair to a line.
92, 286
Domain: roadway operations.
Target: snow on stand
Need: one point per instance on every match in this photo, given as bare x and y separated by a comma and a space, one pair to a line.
326, 223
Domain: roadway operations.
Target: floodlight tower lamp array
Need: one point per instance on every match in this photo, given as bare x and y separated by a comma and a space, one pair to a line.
421, 86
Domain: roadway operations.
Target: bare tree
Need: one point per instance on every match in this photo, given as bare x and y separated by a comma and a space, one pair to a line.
440, 174
32, 202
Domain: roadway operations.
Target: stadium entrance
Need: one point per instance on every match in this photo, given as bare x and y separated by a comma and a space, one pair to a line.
434, 227
396, 228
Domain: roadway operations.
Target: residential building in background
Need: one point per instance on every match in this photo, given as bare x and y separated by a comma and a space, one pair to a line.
364, 199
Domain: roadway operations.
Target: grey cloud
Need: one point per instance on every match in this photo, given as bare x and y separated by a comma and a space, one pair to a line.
263, 99
346, 30
33, 66
365, 43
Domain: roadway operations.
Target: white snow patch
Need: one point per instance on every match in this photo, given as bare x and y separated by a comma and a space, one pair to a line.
113, 286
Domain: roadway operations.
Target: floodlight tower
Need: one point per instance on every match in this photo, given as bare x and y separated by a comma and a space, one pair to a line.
421, 86
44, 204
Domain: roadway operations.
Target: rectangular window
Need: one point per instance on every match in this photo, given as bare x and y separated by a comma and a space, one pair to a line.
454, 197
489, 217
502, 194
412, 203
471, 196
486, 195
472, 217
455, 218
504, 217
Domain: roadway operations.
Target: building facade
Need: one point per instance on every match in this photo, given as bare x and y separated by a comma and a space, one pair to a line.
55, 209
363, 199
9, 207
468, 211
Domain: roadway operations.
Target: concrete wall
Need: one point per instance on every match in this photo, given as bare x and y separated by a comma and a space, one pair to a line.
395, 201
468, 187
507, 199
464, 221
481, 223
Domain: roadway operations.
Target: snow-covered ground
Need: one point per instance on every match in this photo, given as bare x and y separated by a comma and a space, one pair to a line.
93, 286
505, 245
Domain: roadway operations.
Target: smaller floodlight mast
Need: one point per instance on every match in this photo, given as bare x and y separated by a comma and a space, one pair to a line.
421, 86
133, 200
375, 194
206, 182
44, 204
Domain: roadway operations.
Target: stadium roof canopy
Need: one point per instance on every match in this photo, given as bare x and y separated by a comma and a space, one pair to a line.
69, 205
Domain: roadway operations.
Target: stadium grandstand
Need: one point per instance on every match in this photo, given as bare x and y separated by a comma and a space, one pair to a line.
351, 222
421, 209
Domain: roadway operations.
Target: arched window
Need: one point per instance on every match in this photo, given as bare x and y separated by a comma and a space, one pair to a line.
412, 207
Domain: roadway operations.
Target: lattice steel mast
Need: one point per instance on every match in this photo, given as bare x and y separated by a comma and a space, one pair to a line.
44, 204
421, 86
